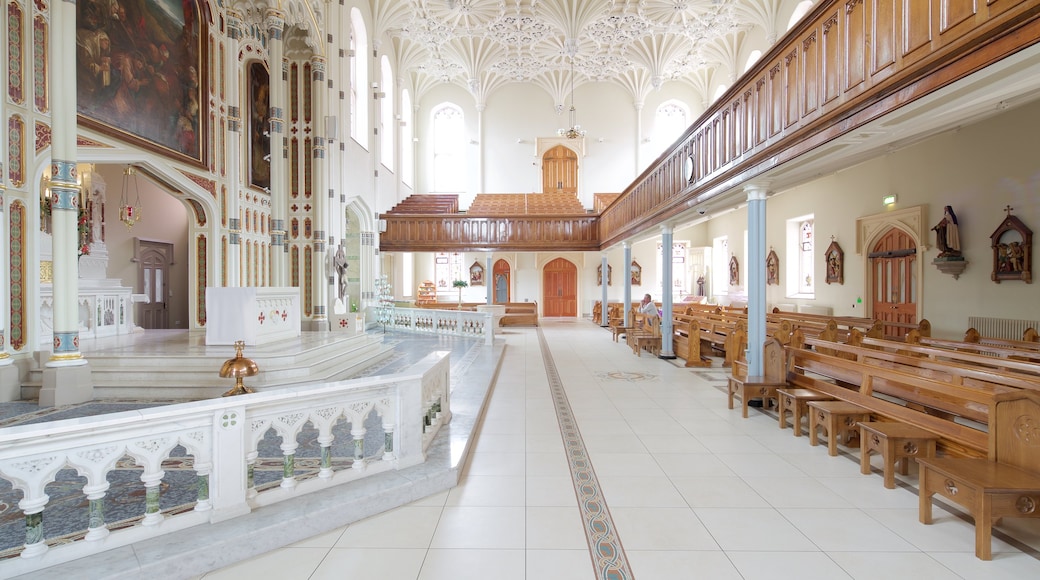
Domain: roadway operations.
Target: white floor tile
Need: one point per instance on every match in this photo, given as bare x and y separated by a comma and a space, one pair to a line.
480, 527
559, 528
845, 530
675, 565
560, 565
753, 529
285, 564
472, 564
404, 527
370, 564
626, 491
868, 565
718, 492
661, 529
787, 565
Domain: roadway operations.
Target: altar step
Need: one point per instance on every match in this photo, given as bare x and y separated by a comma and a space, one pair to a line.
196, 375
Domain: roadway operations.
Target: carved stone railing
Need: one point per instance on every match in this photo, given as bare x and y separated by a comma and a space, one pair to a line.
454, 322
848, 63
459, 233
219, 440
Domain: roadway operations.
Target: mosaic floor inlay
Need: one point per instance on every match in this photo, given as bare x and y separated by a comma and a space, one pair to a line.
625, 376
608, 556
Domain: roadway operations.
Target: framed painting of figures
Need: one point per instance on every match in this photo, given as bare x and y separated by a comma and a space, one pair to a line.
138, 70
259, 126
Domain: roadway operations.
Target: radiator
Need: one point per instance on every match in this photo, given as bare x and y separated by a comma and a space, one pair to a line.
1008, 328
824, 310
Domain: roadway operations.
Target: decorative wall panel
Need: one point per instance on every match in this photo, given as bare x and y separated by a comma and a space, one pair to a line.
15, 57
16, 228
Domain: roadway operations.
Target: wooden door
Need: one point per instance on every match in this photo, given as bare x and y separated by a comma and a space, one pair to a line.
500, 275
153, 276
893, 272
560, 288
560, 171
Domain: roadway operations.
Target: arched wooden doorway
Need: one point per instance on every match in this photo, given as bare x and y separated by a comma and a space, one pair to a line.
500, 278
894, 284
560, 171
560, 288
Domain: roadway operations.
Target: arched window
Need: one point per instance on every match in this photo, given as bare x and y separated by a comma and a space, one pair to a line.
407, 141
449, 149
671, 119
799, 11
358, 79
752, 59
719, 92
801, 245
387, 130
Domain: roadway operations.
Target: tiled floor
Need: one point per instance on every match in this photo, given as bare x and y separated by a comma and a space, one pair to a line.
685, 488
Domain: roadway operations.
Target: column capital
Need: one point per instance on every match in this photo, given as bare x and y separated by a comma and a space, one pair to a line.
756, 191
274, 22
666, 229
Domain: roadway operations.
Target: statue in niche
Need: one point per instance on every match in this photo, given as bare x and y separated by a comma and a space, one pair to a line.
947, 235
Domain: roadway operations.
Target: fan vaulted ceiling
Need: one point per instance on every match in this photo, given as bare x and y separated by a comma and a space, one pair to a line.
638, 44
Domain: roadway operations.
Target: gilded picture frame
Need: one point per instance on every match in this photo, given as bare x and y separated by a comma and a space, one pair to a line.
140, 65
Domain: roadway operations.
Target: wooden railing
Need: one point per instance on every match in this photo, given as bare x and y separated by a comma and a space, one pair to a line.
850, 62
846, 64
472, 234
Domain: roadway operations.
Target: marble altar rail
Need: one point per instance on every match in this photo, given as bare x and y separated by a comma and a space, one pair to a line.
219, 439
454, 322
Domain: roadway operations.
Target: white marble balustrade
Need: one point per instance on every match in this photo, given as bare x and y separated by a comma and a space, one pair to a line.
455, 322
222, 437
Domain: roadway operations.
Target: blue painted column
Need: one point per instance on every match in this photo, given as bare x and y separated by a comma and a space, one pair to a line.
603, 268
756, 277
628, 282
488, 279
666, 293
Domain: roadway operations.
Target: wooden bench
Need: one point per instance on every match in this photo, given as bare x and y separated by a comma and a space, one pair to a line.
759, 387
957, 413
895, 443
839, 420
645, 334
1005, 484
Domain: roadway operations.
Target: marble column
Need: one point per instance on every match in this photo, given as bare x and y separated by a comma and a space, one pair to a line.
66, 376
319, 171
666, 293
628, 282
234, 150
756, 277
275, 24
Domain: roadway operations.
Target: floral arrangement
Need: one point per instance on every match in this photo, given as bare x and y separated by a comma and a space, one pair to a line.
459, 284
83, 228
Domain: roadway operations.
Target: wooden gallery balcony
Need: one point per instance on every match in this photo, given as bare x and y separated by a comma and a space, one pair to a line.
847, 64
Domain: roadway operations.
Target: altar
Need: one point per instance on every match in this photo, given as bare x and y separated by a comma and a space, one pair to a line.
256, 315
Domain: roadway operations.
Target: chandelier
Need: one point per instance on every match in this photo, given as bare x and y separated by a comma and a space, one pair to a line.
129, 213
574, 130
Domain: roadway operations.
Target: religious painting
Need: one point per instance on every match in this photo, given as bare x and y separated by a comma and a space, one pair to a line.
835, 257
599, 275
1012, 244
637, 274
772, 268
259, 126
476, 274
139, 65
734, 271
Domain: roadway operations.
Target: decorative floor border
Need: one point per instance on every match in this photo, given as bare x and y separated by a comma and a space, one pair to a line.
608, 555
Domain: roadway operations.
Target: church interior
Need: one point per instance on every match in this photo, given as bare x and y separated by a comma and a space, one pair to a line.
306, 289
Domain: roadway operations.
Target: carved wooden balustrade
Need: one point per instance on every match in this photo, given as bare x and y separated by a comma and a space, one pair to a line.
849, 62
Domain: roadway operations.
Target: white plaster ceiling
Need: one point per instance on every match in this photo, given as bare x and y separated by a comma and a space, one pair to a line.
638, 44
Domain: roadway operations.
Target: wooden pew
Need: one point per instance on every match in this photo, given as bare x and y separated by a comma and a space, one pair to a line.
645, 334
774, 376
957, 413
956, 373
951, 355
1004, 484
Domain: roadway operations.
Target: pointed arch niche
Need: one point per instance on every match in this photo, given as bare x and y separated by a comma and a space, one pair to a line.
870, 229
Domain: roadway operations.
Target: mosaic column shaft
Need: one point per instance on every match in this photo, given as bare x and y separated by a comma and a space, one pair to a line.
275, 23
234, 151
319, 274
5, 297
65, 190
488, 281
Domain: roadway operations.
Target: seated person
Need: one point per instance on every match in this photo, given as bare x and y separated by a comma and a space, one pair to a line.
648, 307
